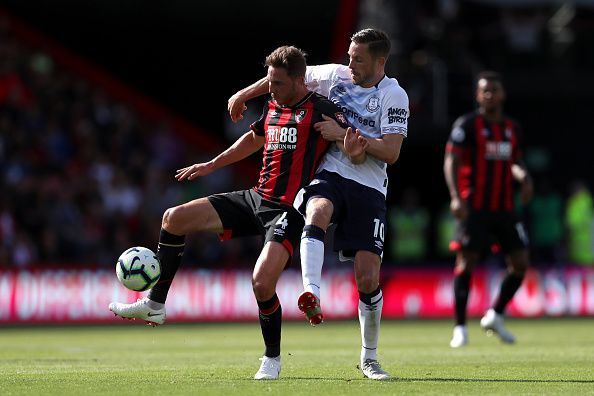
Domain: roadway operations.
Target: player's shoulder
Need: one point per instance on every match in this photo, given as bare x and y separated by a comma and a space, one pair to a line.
465, 120
323, 104
392, 90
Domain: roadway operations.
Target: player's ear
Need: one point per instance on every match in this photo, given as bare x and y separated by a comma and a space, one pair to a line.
381, 61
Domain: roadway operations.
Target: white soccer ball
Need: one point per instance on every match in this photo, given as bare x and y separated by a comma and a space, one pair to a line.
138, 268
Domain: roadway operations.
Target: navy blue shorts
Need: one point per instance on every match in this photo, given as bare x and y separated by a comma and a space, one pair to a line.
246, 213
359, 213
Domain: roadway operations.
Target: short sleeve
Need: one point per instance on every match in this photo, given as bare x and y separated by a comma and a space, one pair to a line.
319, 78
394, 118
459, 137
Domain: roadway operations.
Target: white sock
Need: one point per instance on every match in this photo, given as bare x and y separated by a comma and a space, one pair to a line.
369, 318
312, 260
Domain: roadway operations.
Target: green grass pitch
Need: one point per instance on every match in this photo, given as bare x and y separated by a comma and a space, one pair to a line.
552, 356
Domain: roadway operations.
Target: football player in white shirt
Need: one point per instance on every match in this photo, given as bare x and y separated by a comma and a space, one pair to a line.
353, 196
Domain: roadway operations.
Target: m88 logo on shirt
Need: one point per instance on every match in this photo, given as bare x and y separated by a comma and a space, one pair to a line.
282, 138
498, 150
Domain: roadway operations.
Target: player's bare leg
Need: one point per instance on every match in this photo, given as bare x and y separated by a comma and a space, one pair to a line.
193, 216
267, 271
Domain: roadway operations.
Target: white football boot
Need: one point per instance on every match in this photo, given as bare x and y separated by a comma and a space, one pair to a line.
459, 336
140, 310
269, 369
372, 369
492, 322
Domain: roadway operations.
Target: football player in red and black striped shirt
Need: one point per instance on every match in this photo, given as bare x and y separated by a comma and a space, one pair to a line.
292, 150
483, 160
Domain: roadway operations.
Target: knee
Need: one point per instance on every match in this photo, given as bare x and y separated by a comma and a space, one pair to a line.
172, 220
263, 288
367, 282
465, 263
519, 265
319, 212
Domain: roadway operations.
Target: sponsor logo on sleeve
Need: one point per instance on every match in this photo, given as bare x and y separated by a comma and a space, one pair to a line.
397, 115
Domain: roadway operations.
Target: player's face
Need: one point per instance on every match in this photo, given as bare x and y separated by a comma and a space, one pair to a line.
281, 86
364, 67
490, 95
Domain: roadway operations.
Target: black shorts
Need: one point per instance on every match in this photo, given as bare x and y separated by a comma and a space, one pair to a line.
246, 213
480, 229
359, 213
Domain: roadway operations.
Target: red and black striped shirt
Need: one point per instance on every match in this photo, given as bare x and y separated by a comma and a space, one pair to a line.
293, 148
487, 151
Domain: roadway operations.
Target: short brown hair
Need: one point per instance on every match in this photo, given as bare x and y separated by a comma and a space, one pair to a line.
289, 58
378, 41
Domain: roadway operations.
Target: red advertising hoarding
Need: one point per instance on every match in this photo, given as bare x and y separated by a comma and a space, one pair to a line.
82, 296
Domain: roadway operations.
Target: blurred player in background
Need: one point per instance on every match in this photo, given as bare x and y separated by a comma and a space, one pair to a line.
292, 151
353, 196
482, 160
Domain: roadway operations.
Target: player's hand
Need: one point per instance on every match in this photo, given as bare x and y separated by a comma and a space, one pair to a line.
458, 208
329, 129
236, 106
355, 145
193, 171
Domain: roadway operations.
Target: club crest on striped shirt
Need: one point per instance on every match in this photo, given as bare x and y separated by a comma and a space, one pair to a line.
300, 115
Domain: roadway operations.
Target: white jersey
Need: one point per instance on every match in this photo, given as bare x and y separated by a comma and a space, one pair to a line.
376, 111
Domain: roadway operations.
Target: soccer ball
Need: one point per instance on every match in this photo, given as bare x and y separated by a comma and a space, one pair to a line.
138, 268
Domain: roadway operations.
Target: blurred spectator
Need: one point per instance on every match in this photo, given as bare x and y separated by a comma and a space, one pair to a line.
409, 225
446, 233
579, 219
546, 223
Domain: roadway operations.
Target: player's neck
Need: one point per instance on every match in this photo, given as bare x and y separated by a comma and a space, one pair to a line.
375, 81
298, 97
493, 115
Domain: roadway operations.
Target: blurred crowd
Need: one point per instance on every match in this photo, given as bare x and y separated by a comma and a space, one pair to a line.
84, 176
561, 229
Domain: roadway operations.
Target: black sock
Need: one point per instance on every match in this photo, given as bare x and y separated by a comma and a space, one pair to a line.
271, 315
368, 299
170, 251
510, 285
461, 291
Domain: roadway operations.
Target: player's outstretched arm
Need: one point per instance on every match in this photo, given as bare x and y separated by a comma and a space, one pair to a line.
236, 103
246, 145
